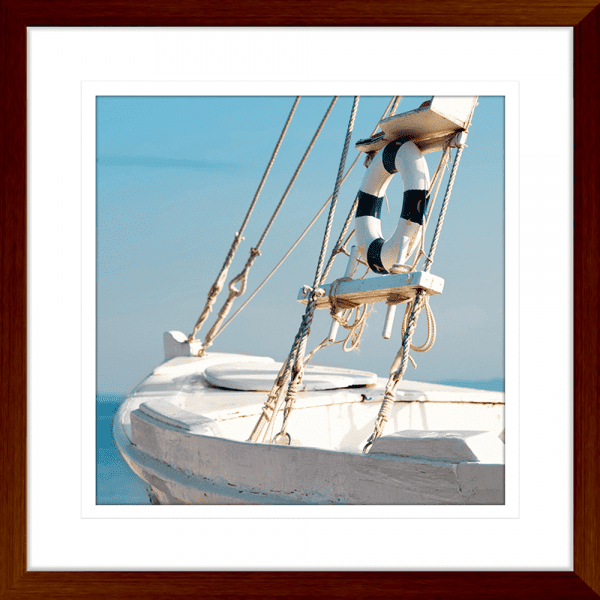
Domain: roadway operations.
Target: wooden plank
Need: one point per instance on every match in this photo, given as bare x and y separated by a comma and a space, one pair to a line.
397, 288
430, 127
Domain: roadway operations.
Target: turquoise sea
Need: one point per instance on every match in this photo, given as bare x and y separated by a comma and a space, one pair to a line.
116, 482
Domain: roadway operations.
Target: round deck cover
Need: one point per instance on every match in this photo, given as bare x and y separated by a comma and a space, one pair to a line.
256, 377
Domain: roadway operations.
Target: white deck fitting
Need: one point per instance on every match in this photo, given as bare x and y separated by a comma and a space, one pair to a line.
256, 377
396, 288
430, 127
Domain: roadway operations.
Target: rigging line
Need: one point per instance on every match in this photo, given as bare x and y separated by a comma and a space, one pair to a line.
304, 331
394, 108
293, 180
302, 235
435, 182
242, 277
401, 361
459, 150
346, 226
237, 312
220, 280
273, 403
294, 367
442, 215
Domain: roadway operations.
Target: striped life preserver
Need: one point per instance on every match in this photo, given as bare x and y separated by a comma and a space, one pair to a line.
399, 156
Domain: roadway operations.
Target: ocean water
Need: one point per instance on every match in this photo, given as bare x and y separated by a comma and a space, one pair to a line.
117, 484
491, 385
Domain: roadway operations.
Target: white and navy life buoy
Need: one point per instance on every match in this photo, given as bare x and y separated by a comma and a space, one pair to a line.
400, 156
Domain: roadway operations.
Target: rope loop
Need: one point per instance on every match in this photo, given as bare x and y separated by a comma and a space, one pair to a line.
281, 435
243, 278
297, 355
341, 310
317, 292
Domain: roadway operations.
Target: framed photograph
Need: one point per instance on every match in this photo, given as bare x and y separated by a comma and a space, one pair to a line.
175, 216
49, 329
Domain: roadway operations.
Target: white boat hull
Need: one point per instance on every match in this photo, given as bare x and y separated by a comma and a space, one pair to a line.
185, 439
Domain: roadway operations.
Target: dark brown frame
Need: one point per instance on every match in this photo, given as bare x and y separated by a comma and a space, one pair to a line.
16, 581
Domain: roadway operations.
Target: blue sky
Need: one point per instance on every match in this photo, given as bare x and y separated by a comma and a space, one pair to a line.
175, 176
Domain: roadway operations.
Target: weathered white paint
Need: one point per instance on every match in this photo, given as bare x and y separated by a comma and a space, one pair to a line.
453, 446
176, 343
309, 475
166, 412
256, 377
187, 440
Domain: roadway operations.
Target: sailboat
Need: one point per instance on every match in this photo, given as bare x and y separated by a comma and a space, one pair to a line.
214, 427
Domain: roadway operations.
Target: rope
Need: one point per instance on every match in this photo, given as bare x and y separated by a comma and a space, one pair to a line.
293, 247
220, 280
431, 327
242, 277
440, 223
438, 229
396, 103
409, 324
397, 373
337, 249
339, 244
298, 369
293, 368
275, 399
341, 310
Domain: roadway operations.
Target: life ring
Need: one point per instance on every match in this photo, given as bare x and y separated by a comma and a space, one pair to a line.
399, 156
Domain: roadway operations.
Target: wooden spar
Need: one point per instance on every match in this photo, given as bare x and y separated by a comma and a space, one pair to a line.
430, 127
394, 288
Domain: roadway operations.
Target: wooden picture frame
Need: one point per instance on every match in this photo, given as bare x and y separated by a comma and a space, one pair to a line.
16, 582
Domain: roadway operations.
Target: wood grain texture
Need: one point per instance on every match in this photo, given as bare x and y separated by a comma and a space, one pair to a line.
298, 13
16, 582
587, 278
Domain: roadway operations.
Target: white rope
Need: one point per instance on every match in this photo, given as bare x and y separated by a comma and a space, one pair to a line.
298, 368
337, 249
276, 399
242, 277
293, 247
220, 280
402, 360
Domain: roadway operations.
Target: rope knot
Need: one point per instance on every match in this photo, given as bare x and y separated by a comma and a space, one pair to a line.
337, 304
312, 292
